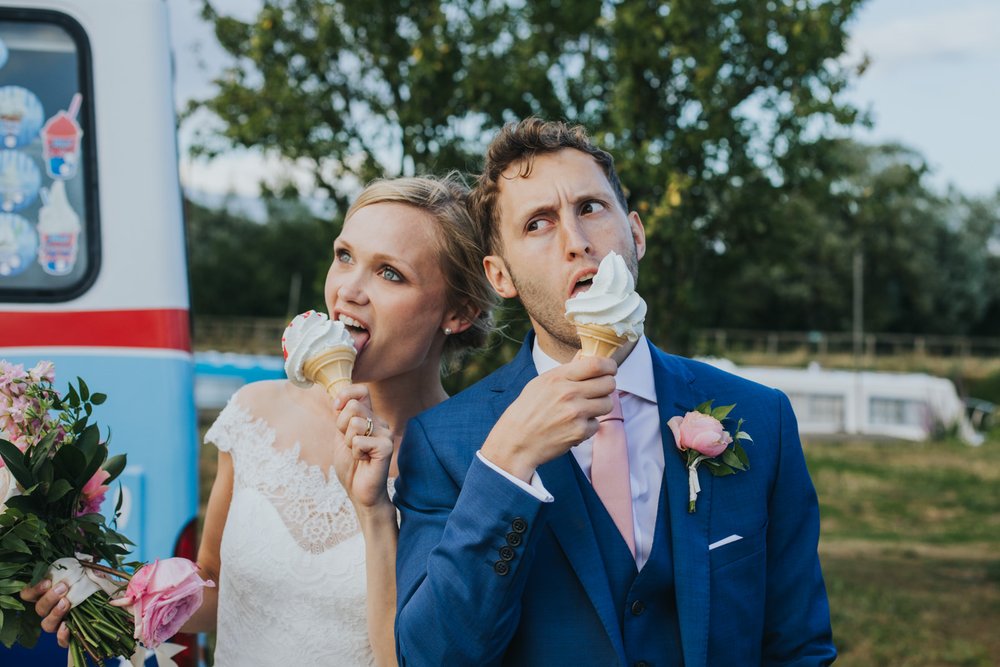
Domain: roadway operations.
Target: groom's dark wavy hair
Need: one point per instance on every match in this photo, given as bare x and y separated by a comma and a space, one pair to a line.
518, 144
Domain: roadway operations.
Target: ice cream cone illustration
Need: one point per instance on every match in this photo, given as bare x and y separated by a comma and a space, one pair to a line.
318, 351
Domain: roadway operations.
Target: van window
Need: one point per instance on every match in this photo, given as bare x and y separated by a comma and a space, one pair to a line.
49, 245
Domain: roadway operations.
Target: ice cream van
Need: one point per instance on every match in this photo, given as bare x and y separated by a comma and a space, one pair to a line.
92, 256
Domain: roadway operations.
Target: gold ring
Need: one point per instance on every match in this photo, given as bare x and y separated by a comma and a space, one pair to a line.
371, 427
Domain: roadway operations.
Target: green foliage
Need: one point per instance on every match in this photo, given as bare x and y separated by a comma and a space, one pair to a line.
43, 524
241, 267
708, 107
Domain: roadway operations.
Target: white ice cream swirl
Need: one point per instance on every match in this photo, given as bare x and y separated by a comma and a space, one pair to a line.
611, 300
306, 336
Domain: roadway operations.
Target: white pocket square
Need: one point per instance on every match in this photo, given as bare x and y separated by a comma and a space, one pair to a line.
724, 541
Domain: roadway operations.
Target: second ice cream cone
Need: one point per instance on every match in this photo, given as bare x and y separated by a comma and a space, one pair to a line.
598, 341
331, 368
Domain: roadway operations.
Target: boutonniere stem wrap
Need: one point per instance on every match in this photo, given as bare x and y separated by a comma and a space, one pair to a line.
701, 437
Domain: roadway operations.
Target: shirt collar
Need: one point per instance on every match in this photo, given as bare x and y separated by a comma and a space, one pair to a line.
635, 375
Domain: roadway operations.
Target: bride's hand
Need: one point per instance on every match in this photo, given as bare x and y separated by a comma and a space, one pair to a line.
362, 461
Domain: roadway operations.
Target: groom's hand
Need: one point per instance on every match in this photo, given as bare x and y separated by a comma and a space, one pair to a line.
556, 411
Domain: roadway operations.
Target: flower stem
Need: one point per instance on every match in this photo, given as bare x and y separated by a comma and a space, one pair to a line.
106, 570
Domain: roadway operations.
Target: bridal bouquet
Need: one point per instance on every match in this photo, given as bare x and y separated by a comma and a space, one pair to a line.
54, 474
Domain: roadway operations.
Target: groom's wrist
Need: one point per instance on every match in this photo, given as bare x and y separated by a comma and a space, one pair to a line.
511, 461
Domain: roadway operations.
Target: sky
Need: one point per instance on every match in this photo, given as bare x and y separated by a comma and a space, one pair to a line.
933, 85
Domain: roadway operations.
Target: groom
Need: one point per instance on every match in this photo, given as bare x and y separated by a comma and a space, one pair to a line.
507, 553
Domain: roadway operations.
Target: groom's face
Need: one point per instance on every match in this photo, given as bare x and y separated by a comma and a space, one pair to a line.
556, 225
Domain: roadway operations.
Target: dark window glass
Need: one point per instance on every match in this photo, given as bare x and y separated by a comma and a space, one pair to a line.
49, 245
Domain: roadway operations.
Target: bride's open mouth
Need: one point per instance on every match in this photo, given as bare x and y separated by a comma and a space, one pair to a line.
358, 330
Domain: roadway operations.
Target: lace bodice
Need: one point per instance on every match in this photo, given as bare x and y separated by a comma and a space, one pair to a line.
292, 583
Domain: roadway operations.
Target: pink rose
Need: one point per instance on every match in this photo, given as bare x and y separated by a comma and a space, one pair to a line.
93, 493
164, 594
700, 432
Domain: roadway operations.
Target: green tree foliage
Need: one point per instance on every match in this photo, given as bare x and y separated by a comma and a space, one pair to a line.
244, 268
927, 258
704, 104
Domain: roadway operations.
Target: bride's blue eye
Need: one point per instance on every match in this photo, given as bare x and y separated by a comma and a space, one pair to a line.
391, 274
342, 256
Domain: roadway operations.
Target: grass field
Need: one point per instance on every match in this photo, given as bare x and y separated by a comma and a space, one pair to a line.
910, 549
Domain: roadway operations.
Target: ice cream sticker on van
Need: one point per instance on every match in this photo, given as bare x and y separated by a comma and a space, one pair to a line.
18, 244
21, 116
20, 180
58, 231
61, 142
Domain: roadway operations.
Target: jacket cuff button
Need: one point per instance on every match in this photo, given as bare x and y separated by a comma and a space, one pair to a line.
501, 568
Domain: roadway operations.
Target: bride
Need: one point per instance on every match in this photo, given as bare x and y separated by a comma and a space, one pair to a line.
283, 539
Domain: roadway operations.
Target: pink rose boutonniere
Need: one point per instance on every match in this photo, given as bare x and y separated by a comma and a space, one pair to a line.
701, 438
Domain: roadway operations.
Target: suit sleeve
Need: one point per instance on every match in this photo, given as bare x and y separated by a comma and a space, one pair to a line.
797, 625
463, 560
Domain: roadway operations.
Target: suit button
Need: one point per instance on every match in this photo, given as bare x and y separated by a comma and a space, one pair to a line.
638, 607
514, 539
501, 568
519, 525
506, 554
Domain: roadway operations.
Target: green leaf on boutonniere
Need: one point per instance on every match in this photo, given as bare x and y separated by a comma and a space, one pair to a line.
722, 411
730, 458
742, 455
704, 408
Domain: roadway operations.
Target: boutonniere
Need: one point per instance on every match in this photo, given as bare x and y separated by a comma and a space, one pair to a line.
701, 438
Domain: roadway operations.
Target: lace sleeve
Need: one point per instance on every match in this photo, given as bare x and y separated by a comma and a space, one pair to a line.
224, 433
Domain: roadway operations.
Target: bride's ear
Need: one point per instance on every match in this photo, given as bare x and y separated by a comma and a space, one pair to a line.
459, 319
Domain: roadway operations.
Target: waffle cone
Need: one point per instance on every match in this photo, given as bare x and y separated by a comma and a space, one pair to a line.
331, 368
598, 341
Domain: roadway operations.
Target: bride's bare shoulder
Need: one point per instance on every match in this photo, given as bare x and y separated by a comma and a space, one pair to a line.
270, 399
259, 397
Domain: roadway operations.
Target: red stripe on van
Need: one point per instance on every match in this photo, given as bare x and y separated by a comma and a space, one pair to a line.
162, 329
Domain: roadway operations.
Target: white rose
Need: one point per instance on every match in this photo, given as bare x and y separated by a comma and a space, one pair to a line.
8, 487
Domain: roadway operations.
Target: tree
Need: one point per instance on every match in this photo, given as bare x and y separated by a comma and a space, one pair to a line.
706, 105
245, 268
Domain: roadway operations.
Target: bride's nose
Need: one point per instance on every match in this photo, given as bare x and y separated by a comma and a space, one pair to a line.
352, 290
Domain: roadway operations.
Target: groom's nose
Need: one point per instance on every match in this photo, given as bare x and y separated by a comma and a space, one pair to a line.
575, 240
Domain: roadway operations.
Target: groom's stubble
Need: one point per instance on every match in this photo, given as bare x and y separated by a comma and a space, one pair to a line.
547, 308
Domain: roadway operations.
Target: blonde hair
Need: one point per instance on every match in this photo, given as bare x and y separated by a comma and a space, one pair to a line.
460, 252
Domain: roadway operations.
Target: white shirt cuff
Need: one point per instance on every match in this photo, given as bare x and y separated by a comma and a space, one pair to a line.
536, 488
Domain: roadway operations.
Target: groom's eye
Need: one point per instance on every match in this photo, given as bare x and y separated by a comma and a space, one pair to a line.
592, 206
536, 224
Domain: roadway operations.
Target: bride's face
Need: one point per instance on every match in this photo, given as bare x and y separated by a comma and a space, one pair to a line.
386, 285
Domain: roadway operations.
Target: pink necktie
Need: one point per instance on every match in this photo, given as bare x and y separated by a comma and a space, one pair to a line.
609, 470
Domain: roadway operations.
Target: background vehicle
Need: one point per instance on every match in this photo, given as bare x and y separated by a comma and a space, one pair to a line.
92, 257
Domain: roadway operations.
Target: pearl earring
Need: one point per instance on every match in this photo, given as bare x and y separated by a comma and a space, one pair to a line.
447, 331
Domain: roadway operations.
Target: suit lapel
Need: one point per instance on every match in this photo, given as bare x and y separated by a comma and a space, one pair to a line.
676, 395
568, 517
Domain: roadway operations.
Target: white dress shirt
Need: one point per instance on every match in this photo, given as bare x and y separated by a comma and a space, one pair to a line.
645, 445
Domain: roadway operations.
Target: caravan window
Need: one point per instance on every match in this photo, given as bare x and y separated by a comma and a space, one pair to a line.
897, 411
49, 245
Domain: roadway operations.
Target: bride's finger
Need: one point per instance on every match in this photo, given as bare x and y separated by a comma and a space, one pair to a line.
372, 447
352, 410
356, 392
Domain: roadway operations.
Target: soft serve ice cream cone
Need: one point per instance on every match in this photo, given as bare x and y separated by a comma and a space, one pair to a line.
318, 350
610, 313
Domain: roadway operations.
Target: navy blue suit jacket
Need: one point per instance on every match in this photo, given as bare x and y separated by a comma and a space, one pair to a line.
546, 600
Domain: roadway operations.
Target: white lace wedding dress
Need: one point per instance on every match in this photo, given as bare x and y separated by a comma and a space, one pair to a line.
292, 584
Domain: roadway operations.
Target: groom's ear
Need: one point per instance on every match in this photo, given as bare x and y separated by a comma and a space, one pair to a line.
499, 276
